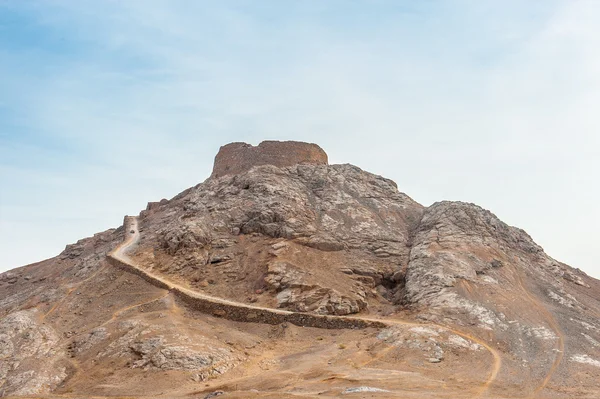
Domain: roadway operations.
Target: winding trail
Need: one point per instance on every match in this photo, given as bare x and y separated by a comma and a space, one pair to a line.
133, 236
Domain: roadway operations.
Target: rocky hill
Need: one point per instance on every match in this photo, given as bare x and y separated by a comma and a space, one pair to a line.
283, 276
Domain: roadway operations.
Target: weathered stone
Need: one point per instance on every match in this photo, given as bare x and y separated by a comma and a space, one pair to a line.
236, 158
30, 358
185, 236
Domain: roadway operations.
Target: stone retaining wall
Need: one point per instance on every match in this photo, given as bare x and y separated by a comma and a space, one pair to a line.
242, 313
134, 270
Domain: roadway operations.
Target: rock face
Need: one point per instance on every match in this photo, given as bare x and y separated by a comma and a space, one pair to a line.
321, 238
236, 158
459, 248
457, 241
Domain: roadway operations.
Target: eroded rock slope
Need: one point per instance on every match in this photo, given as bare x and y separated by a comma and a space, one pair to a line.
319, 238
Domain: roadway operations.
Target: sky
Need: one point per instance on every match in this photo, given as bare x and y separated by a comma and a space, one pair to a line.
106, 105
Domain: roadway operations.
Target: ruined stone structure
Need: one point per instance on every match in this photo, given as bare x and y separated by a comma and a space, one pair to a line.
236, 158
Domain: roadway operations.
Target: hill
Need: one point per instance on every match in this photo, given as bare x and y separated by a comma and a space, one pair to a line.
283, 276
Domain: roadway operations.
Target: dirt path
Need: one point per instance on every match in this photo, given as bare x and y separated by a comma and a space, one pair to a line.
554, 325
133, 236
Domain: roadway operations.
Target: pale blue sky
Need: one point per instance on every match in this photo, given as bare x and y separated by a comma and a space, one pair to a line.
106, 105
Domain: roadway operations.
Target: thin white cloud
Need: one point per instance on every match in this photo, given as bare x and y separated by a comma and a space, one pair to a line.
489, 102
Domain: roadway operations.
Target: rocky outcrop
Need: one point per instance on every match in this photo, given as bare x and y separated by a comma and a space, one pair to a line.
347, 232
295, 292
187, 236
461, 253
236, 158
458, 241
444, 248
